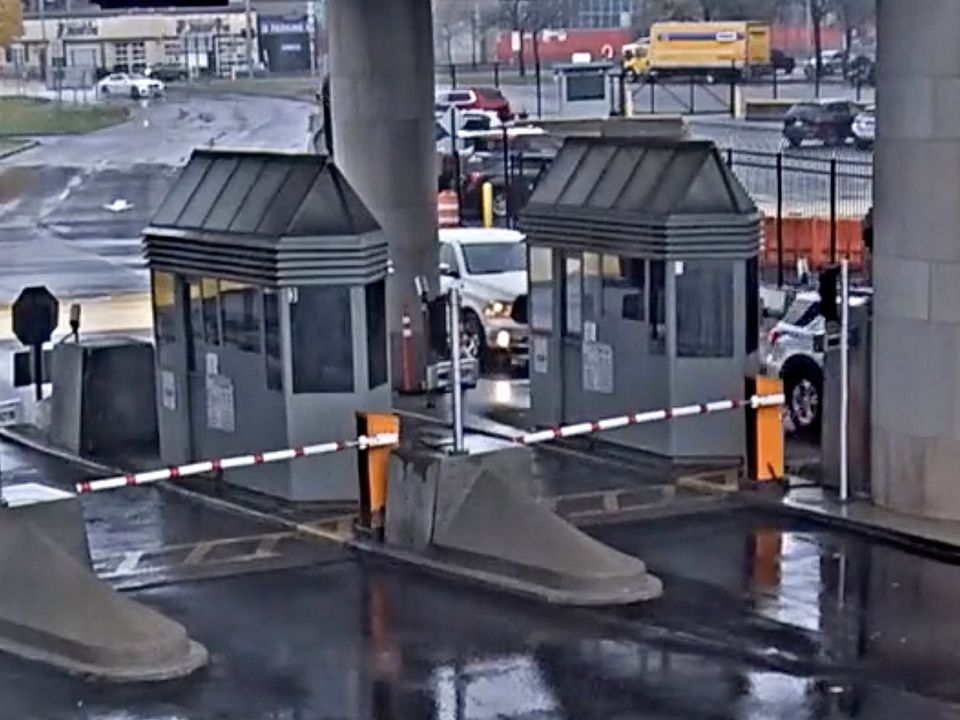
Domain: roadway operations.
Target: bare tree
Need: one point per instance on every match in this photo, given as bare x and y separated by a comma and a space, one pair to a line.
532, 16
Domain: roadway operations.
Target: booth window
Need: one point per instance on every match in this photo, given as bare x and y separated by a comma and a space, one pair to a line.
752, 333
574, 294
592, 287
321, 340
705, 308
211, 311
240, 315
541, 288
581, 86
624, 283
271, 339
165, 307
376, 305
658, 307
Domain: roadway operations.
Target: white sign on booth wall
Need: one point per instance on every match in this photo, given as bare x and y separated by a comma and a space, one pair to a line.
598, 367
540, 362
168, 389
221, 411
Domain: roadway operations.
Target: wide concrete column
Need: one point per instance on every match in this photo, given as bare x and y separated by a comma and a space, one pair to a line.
382, 97
916, 338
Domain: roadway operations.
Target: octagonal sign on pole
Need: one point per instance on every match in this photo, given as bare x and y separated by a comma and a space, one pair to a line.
36, 313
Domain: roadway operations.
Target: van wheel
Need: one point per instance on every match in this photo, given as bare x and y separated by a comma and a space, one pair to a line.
803, 389
472, 340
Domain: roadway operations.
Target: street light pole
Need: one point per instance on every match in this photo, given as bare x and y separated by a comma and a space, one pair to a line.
249, 34
45, 50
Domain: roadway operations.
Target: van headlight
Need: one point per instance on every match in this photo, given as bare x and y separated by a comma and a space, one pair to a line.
497, 309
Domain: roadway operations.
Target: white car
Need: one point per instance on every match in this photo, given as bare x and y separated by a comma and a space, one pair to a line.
795, 354
490, 266
864, 128
128, 85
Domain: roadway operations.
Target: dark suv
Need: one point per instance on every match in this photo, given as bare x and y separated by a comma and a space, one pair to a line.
529, 157
829, 121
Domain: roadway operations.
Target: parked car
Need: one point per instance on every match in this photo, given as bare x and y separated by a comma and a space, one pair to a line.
865, 128
829, 121
782, 62
490, 265
530, 153
831, 64
795, 353
474, 98
167, 72
127, 85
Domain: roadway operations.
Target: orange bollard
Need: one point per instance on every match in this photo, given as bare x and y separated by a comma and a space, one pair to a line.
765, 433
373, 465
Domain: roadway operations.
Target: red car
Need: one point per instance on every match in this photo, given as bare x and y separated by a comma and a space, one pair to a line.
474, 98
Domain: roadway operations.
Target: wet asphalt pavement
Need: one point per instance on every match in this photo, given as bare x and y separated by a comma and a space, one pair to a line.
55, 228
762, 618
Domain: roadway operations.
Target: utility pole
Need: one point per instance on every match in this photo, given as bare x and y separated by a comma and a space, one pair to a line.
249, 38
45, 49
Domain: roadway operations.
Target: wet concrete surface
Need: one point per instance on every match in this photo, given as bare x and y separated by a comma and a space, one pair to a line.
761, 618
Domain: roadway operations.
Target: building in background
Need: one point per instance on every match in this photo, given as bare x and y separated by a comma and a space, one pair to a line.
606, 14
204, 41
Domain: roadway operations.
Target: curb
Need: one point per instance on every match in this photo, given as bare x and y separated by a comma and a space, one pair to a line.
752, 126
930, 547
28, 145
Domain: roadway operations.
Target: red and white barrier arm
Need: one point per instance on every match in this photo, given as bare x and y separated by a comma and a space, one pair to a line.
171, 473
622, 421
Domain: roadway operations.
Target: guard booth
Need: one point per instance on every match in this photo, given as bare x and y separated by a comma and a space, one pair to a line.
585, 89
643, 291
268, 277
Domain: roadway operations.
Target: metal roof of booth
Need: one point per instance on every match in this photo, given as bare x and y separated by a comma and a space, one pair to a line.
665, 197
266, 217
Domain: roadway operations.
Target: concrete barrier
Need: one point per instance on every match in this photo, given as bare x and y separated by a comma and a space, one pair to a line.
765, 110
54, 610
468, 516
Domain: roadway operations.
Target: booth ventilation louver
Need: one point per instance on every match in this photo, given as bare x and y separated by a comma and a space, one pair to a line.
268, 218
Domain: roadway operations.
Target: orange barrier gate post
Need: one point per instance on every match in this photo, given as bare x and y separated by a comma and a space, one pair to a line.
373, 469
765, 433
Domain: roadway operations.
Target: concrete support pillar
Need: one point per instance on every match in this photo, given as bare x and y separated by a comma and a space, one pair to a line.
916, 338
382, 96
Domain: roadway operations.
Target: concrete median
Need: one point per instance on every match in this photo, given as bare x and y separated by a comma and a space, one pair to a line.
469, 516
54, 610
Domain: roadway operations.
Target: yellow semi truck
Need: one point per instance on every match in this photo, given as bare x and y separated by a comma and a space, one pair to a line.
712, 50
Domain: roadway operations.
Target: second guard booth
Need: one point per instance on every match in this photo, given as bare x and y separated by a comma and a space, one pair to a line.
643, 291
268, 276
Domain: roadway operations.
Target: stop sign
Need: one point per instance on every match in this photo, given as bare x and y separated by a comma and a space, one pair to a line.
35, 315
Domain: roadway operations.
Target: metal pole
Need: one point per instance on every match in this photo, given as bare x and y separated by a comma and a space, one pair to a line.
41, 7
537, 69
780, 220
833, 209
506, 175
455, 154
693, 96
457, 389
653, 95
249, 36
453, 75
496, 75
844, 376
776, 86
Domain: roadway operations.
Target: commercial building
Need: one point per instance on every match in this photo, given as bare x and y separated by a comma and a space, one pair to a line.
201, 42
